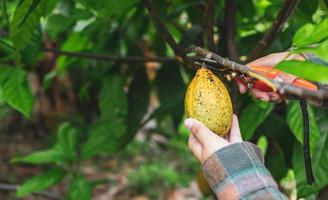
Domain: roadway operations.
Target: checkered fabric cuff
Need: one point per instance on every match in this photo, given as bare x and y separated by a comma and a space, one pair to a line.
237, 172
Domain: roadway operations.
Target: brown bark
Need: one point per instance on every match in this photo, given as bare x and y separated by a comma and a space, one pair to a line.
230, 30
209, 24
284, 14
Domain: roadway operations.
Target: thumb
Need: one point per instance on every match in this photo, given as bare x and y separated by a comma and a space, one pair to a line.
203, 134
235, 135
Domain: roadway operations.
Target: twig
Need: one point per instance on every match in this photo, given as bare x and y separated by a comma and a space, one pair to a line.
326, 2
12, 187
5, 13
209, 24
128, 59
230, 30
285, 12
229, 45
306, 143
179, 51
320, 96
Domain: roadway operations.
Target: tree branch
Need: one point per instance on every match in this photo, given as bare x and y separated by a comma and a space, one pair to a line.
12, 187
129, 59
326, 2
209, 24
285, 12
230, 30
319, 97
229, 44
179, 51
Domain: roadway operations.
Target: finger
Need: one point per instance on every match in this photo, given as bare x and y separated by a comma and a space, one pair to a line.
235, 135
269, 60
242, 87
204, 135
264, 61
195, 147
263, 96
275, 97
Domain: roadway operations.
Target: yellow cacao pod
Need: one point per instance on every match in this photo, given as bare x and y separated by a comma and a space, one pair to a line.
207, 100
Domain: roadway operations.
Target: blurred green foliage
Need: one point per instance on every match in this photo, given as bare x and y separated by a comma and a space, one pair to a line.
114, 99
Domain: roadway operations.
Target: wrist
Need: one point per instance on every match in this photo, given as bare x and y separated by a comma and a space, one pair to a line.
234, 167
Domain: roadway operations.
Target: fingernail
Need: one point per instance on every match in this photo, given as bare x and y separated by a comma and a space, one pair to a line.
188, 123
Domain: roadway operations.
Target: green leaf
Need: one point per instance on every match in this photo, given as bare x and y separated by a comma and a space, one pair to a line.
138, 100
109, 8
262, 143
41, 182
31, 52
58, 23
304, 69
106, 134
31, 8
321, 116
18, 97
23, 23
113, 101
276, 129
25, 19
311, 34
16, 92
295, 123
4, 73
7, 51
319, 50
308, 7
41, 157
82, 14
74, 43
64, 149
47, 7
80, 189
252, 117
275, 161
171, 90
67, 138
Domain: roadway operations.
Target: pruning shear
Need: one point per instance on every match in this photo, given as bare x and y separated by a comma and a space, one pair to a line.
267, 71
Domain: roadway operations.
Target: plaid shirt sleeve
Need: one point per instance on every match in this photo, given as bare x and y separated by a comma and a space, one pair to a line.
237, 172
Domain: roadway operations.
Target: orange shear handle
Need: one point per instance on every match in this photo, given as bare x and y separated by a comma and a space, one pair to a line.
275, 74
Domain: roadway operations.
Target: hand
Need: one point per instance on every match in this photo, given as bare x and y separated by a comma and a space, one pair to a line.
203, 142
270, 61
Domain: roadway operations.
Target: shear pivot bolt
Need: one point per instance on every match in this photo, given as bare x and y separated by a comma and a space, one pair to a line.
250, 85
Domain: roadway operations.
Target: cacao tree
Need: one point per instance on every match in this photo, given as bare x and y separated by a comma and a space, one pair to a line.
98, 71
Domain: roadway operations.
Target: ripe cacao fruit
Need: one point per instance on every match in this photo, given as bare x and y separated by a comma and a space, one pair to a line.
208, 101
